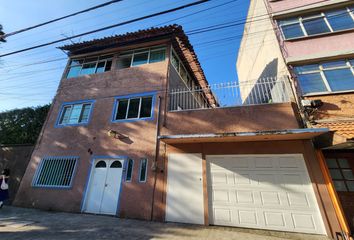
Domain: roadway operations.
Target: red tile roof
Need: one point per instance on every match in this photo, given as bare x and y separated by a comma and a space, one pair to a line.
342, 128
174, 32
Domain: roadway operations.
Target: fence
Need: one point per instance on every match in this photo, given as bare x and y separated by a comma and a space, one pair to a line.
262, 91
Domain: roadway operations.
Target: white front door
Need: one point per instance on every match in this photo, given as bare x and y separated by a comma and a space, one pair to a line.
263, 191
104, 186
184, 202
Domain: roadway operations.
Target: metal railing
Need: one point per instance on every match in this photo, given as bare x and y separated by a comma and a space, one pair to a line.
262, 91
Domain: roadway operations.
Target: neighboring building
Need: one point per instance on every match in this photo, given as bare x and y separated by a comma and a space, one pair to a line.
136, 131
312, 43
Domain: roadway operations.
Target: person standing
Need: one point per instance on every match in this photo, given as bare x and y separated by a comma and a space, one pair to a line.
4, 187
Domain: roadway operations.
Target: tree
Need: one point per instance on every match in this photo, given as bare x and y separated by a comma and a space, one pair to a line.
2, 39
22, 126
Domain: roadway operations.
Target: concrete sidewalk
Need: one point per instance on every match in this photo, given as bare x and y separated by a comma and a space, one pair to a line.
21, 223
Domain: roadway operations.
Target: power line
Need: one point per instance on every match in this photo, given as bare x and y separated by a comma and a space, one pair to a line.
61, 18
108, 27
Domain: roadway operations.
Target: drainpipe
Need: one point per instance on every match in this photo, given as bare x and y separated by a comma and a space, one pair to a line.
154, 163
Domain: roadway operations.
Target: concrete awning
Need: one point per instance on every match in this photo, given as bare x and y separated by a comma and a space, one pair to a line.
273, 135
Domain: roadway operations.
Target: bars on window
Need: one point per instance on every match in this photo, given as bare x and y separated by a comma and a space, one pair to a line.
55, 172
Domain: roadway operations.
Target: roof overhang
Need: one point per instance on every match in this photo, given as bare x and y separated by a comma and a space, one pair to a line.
349, 145
271, 135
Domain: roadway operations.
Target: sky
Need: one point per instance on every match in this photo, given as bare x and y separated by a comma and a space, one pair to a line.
25, 81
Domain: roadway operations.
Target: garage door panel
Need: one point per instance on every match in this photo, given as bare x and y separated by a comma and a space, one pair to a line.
267, 191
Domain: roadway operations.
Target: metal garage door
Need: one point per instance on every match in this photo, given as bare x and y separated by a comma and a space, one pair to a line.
262, 191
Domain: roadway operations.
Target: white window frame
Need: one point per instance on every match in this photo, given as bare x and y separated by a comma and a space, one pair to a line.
133, 52
128, 105
321, 70
83, 63
321, 14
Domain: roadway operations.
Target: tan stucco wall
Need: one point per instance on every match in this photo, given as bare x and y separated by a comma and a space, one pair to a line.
259, 55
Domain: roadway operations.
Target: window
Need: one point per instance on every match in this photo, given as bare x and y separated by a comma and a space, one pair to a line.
142, 56
181, 70
128, 177
133, 108
55, 172
89, 65
324, 22
341, 173
326, 77
143, 170
76, 113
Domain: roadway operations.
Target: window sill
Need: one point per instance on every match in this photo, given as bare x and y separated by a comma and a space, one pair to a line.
133, 120
327, 93
70, 125
318, 35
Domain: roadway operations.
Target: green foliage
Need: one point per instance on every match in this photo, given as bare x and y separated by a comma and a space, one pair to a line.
21, 126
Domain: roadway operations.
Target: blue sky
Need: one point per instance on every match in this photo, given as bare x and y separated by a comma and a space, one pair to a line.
23, 85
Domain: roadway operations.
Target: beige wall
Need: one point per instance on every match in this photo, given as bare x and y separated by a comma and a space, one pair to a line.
259, 55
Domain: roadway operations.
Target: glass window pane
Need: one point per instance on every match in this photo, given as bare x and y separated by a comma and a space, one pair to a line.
307, 68
335, 174
75, 114
331, 163
116, 164
183, 74
340, 186
157, 55
311, 83
343, 163
350, 185
175, 61
348, 174
334, 64
108, 65
340, 79
129, 170
106, 57
292, 31
140, 58
100, 67
91, 59
124, 61
315, 26
122, 109
85, 113
88, 68
351, 62
133, 111
340, 19
75, 62
146, 104
101, 164
65, 115
143, 167
74, 72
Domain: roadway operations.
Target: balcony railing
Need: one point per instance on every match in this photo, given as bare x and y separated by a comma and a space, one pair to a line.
262, 91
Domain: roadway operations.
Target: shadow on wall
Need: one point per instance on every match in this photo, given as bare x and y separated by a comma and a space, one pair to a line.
264, 84
16, 158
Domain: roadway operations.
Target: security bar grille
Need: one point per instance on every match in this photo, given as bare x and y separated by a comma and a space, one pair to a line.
230, 94
55, 172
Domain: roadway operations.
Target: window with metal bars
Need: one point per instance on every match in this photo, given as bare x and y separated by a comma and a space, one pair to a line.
55, 172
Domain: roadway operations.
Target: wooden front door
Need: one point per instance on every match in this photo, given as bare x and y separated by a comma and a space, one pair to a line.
341, 168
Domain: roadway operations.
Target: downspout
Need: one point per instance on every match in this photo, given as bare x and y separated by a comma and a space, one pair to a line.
157, 152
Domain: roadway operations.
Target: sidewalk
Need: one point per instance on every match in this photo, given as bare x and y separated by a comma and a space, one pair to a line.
21, 223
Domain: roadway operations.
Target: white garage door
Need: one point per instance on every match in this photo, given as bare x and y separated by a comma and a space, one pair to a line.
262, 191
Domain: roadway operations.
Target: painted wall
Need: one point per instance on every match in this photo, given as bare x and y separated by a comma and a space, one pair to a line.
15, 158
259, 55
271, 147
233, 119
92, 140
